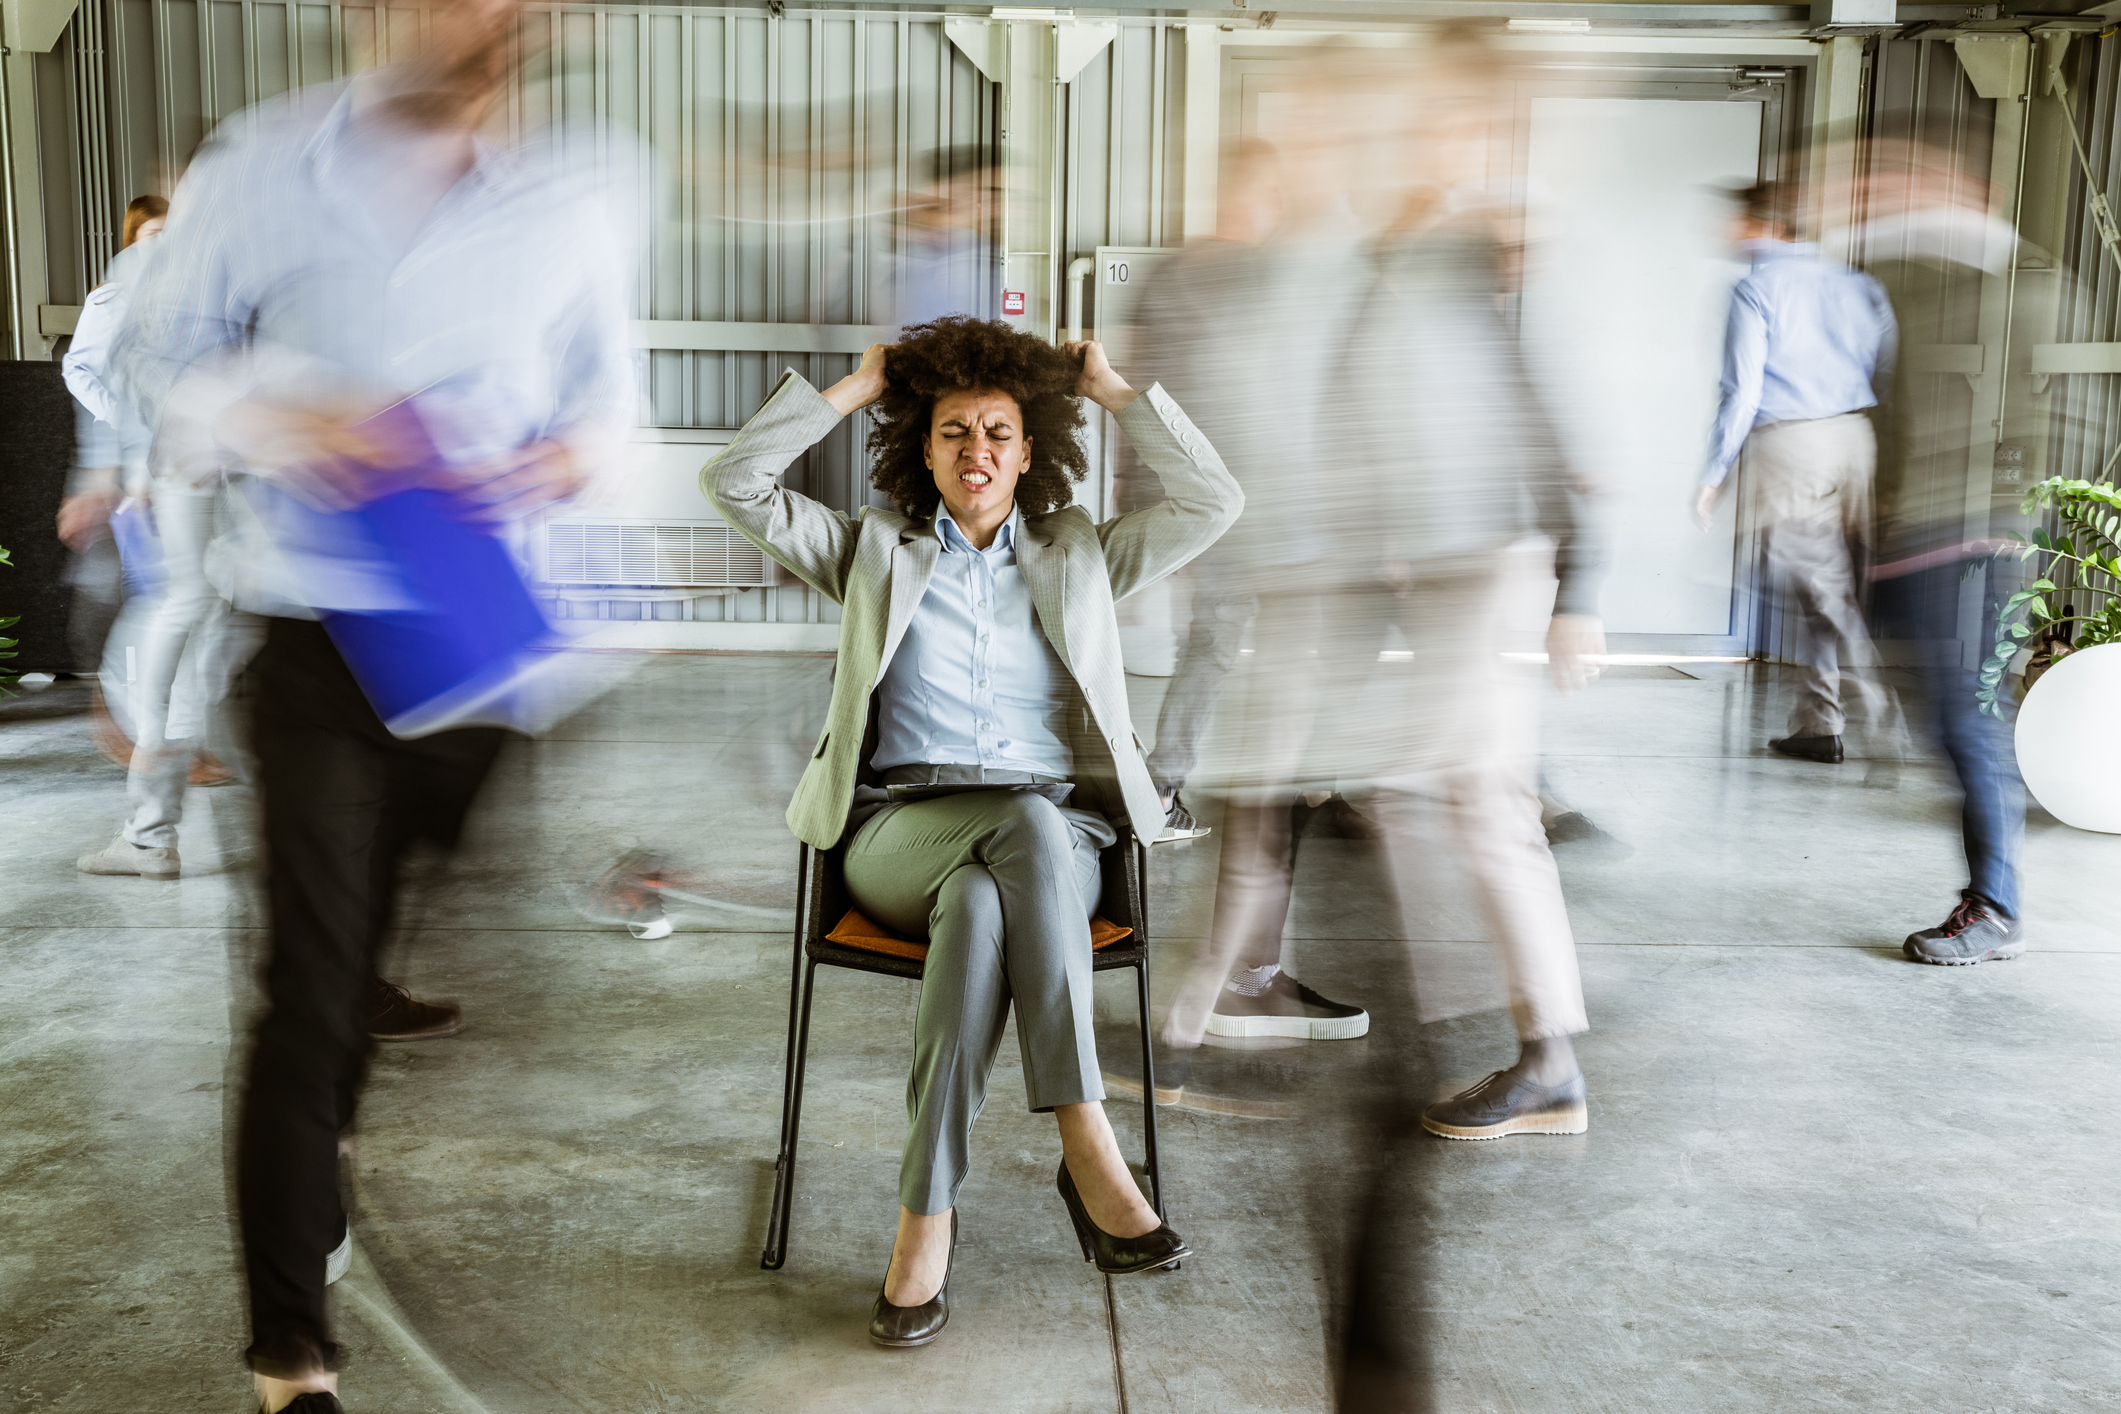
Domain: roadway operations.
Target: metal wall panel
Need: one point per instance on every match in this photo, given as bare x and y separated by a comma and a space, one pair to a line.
790, 145
1122, 182
2088, 406
1920, 94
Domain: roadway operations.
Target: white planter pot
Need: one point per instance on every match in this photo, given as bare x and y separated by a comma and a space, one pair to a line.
2069, 739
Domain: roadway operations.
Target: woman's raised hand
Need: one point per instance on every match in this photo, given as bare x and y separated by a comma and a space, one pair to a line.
1097, 381
863, 386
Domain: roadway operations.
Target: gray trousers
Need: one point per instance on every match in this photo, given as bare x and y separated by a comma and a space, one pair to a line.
1812, 484
1003, 884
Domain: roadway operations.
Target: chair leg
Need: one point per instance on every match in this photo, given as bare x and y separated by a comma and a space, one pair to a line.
1141, 874
791, 1128
1153, 1163
791, 1077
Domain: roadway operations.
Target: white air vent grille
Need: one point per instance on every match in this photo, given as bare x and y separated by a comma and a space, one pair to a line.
677, 556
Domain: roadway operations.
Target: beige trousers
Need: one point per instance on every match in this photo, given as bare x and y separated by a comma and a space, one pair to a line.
1812, 492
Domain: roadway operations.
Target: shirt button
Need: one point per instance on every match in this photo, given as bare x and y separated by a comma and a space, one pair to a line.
983, 638
983, 603
982, 682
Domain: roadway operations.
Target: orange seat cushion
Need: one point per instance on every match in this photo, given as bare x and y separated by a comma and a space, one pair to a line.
855, 931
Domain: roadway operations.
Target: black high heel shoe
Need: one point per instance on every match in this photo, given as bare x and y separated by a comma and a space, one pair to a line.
1119, 1256
902, 1327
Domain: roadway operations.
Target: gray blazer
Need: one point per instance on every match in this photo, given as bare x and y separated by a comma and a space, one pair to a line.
876, 566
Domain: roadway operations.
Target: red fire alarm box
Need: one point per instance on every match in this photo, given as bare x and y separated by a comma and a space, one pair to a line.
1012, 301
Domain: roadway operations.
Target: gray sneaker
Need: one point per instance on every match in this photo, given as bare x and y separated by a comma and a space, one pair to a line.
1507, 1103
122, 856
1976, 932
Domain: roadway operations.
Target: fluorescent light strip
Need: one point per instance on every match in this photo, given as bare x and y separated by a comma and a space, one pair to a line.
1617, 660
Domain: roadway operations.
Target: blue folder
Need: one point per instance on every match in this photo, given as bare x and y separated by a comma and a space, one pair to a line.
474, 633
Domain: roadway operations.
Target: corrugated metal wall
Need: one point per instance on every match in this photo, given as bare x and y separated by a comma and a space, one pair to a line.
1919, 94
791, 144
1125, 144
2088, 407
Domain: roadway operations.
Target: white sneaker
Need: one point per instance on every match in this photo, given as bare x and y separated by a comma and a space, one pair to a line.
1288, 1009
1179, 823
122, 856
340, 1259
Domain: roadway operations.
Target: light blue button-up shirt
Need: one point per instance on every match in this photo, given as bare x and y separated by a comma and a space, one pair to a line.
1808, 338
974, 682
321, 253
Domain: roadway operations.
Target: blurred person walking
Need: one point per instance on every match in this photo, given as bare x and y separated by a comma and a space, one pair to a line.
1933, 244
1427, 382
114, 560
945, 260
183, 661
1808, 349
1243, 328
334, 251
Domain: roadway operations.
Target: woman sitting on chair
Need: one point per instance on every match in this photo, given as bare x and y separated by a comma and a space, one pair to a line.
979, 652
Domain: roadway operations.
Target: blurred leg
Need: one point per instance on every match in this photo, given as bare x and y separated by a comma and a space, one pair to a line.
341, 797
1218, 629
1814, 489
168, 690
322, 768
1253, 882
1925, 607
1276, 709
1495, 819
1810, 557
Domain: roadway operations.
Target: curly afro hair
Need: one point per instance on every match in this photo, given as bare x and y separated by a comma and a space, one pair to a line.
963, 353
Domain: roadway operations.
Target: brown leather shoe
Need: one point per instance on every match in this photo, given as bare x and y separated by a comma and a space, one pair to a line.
397, 1015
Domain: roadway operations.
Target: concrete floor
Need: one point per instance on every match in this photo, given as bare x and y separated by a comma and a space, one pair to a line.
1817, 1176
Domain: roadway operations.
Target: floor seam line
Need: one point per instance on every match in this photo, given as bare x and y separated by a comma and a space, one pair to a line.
1119, 1369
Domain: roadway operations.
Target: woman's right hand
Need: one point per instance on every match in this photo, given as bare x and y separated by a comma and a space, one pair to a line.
861, 387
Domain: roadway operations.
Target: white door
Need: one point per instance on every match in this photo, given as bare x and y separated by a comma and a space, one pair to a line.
1627, 283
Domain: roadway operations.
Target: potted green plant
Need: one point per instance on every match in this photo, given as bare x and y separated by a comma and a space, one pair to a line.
2068, 749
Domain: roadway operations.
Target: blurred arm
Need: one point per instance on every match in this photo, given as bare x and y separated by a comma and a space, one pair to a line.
1563, 513
188, 320
1883, 372
82, 368
600, 373
1744, 366
1201, 498
814, 543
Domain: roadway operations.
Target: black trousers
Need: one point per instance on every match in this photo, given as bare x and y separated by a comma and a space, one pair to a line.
342, 801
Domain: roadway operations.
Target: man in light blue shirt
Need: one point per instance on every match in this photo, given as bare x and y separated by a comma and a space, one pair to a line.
331, 252
1810, 345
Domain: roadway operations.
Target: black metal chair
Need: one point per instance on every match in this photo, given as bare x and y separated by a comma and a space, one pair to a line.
822, 908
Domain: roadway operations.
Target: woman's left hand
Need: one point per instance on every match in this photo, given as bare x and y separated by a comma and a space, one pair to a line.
1097, 381
863, 386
